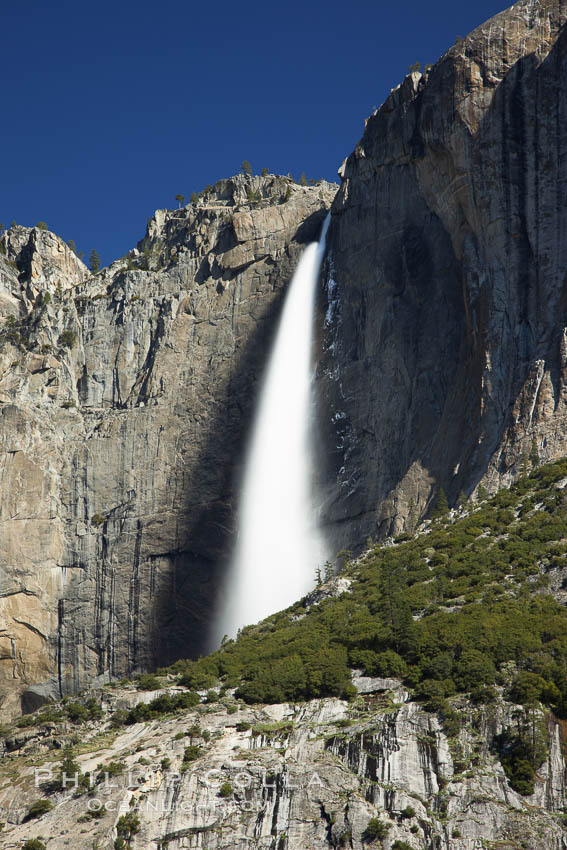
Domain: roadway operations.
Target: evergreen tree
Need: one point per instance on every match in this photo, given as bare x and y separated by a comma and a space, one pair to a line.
180, 200
303, 179
94, 260
265, 172
193, 198
69, 770
246, 168
534, 454
72, 246
441, 505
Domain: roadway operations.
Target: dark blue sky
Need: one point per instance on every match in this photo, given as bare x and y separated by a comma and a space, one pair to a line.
112, 108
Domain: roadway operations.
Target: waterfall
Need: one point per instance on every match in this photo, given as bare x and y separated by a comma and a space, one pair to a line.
279, 545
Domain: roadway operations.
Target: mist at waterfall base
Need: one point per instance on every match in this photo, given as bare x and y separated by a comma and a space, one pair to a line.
279, 545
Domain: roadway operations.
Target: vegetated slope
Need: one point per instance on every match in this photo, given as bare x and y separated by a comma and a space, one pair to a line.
466, 619
473, 601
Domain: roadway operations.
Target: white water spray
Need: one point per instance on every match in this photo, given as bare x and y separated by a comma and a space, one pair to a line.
279, 545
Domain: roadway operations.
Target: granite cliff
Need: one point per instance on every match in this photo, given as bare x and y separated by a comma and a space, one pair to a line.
280, 777
125, 397
443, 359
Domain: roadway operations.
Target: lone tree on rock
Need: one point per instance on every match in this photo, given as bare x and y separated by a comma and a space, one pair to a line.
193, 198
94, 260
180, 200
441, 506
247, 168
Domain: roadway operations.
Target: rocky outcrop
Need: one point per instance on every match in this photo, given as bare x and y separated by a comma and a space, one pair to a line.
124, 400
444, 356
284, 777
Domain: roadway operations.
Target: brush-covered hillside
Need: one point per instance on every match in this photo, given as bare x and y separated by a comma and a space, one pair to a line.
474, 601
417, 700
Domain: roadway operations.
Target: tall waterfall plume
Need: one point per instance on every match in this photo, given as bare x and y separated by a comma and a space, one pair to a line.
279, 545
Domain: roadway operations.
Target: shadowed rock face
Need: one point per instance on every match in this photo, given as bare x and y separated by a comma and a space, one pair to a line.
444, 354
124, 401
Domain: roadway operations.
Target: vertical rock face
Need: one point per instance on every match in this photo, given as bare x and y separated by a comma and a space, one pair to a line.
445, 347
124, 400
291, 777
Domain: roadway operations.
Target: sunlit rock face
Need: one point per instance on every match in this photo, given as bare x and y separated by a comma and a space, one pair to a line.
125, 399
314, 778
444, 353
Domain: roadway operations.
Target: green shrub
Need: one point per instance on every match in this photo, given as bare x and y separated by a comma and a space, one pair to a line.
33, 844
148, 682
26, 721
39, 808
272, 729
128, 826
192, 753
113, 768
76, 712
243, 726
119, 718
527, 688
226, 790
375, 830
164, 704
41, 225
474, 667
68, 339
